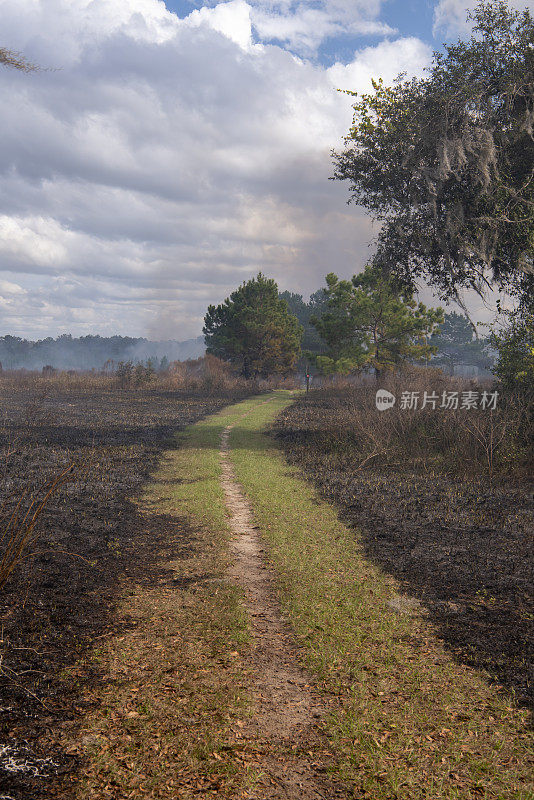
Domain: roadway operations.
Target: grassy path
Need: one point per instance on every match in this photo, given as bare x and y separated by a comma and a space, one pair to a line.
285, 728
404, 720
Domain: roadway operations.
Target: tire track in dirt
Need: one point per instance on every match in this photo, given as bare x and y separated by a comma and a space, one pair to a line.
285, 728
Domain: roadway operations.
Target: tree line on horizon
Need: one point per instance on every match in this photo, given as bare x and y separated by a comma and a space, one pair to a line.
455, 344
93, 352
371, 322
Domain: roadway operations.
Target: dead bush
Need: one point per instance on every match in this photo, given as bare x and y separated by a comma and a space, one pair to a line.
18, 521
455, 440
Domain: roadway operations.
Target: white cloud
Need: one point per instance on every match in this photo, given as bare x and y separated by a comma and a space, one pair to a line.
30, 241
8, 289
450, 16
167, 161
232, 19
387, 60
59, 31
306, 26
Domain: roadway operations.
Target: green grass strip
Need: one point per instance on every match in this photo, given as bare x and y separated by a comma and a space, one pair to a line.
188, 480
408, 722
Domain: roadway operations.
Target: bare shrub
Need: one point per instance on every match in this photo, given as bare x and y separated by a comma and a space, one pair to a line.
18, 522
208, 375
450, 440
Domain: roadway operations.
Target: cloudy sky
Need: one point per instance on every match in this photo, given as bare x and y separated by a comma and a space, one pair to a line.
175, 149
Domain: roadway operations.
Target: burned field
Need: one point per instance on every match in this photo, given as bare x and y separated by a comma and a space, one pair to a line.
461, 543
85, 612
90, 538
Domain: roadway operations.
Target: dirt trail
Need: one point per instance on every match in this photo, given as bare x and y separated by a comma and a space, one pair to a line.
285, 727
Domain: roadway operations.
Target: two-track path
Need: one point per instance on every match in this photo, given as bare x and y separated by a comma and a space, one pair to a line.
286, 719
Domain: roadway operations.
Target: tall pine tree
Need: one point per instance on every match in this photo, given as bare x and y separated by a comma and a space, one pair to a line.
254, 330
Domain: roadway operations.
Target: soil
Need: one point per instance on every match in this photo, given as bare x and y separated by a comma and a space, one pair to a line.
286, 721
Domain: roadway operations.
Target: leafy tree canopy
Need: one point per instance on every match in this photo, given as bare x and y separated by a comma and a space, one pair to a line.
254, 329
455, 344
304, 311
373, 321
8, 58
446, 162
514, 343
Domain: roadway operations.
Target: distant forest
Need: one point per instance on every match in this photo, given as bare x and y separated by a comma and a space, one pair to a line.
92, 352
458, 352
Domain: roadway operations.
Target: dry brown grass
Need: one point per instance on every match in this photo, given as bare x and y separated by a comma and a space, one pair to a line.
18, 522
454, 441
207, 375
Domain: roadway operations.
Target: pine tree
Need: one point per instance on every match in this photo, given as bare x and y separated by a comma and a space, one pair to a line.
254, 330
373, 321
